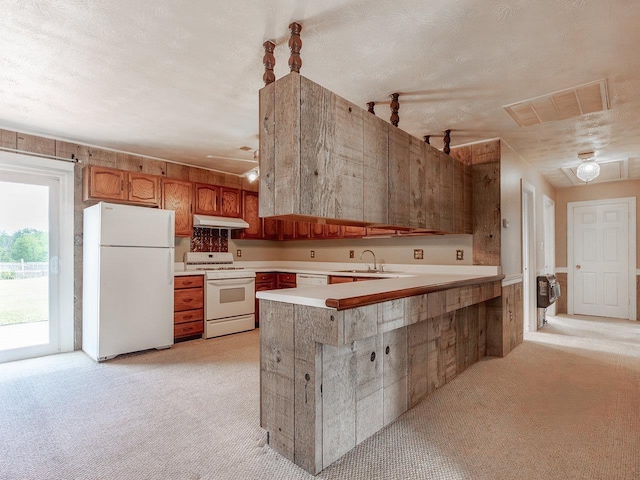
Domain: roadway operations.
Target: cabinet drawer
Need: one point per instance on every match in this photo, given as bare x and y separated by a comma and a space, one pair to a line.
190, 281
286, 285
260, 287
340, 279
188, 316
286, 278
265, 277
188, 329
188, 299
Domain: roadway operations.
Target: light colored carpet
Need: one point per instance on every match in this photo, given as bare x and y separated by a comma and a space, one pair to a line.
563, 405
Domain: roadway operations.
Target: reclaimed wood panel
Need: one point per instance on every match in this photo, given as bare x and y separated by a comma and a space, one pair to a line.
394, 373
72, 151
287, 148
391, 315
482, 329
376, 170
35, 144
317, 147
458, 197
416, 309
338, 402
399, 177
361, 322
448, 360
446, 193
417, 357
348, 162
369, 393
432, 187
9, 139
309, 324
486, 203
418, 184
462, 339
277, 375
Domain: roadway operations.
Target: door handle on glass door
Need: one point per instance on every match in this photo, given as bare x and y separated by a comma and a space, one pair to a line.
578, 267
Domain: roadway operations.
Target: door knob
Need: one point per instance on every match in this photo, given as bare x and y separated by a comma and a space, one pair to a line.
578, 267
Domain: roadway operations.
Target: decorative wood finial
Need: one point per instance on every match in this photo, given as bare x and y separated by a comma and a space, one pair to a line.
269, 61
447, 141
371, 105
395, 106
426, 139
295, 45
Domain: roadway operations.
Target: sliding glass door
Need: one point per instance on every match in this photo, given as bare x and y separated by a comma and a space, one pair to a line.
33, 295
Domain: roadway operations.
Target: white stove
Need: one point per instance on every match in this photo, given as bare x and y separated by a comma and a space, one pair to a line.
229, 293
216, 265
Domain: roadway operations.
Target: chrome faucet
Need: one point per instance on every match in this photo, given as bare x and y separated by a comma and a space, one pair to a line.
375, 267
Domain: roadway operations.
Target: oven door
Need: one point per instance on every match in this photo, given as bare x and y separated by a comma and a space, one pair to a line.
229, 297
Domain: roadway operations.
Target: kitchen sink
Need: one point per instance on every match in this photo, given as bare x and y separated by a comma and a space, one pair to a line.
363, 271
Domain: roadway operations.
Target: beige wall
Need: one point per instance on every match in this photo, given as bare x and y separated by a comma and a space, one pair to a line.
437, 250
598, 191
513, 169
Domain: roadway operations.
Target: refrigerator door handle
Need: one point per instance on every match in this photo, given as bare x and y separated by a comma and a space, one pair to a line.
169, 230
170, 266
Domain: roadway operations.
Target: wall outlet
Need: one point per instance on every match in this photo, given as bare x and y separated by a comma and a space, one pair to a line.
238, 253
418, 254
313, 254
350, 253
459, 254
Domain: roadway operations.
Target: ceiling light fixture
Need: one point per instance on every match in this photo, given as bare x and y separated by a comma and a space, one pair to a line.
589, 169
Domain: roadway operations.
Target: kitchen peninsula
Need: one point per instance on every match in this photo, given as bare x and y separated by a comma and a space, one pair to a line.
340, 362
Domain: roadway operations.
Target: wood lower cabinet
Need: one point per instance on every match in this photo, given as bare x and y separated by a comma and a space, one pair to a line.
287, 280
264, 281
188, 306
177, 196
339, 279
100, 183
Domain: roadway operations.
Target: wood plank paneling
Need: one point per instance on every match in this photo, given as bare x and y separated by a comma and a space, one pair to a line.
432, 187
394, 373
35, 144
458, 197
348, 163
399, 177
376, 169
317, 147
267, 142
277, 375
369, 393
446, 192
8, 139
338, 402
418, 184
486, 203
287, 148
417, 357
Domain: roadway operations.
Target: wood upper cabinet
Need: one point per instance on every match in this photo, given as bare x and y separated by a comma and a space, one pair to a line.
250, 215
100, 183
177, 196
207, 199
144, 189
217, 200
287, 229
270, 228
230, 202
317, 230
352, 231
332, 231
303, 230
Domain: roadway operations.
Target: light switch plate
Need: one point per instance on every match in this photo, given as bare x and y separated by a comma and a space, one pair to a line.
418, 254
350, 253
459, 254
313, 254
238, 253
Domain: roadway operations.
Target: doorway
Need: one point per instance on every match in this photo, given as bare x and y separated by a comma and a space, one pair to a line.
549, 224
601, 247
36, 256
529, 257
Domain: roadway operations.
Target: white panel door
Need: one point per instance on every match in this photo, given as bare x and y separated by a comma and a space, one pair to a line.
601, 260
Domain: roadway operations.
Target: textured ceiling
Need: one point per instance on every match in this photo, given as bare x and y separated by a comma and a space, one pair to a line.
180, 80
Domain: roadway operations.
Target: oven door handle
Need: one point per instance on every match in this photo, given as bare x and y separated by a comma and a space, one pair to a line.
231, 281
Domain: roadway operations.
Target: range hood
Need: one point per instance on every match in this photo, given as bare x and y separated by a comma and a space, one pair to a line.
206, 221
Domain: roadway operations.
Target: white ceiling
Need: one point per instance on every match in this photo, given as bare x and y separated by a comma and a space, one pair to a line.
179, 80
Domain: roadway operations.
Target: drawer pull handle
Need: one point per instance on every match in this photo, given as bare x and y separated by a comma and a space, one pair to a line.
188, 317
373, 356
187, 283
188, 328
386, 350
188, 300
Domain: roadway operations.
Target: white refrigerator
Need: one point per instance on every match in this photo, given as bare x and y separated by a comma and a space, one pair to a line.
127, 294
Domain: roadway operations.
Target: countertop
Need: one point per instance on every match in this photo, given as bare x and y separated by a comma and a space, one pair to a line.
350, 295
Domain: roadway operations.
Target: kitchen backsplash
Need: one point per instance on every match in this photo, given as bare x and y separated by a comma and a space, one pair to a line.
210, 240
